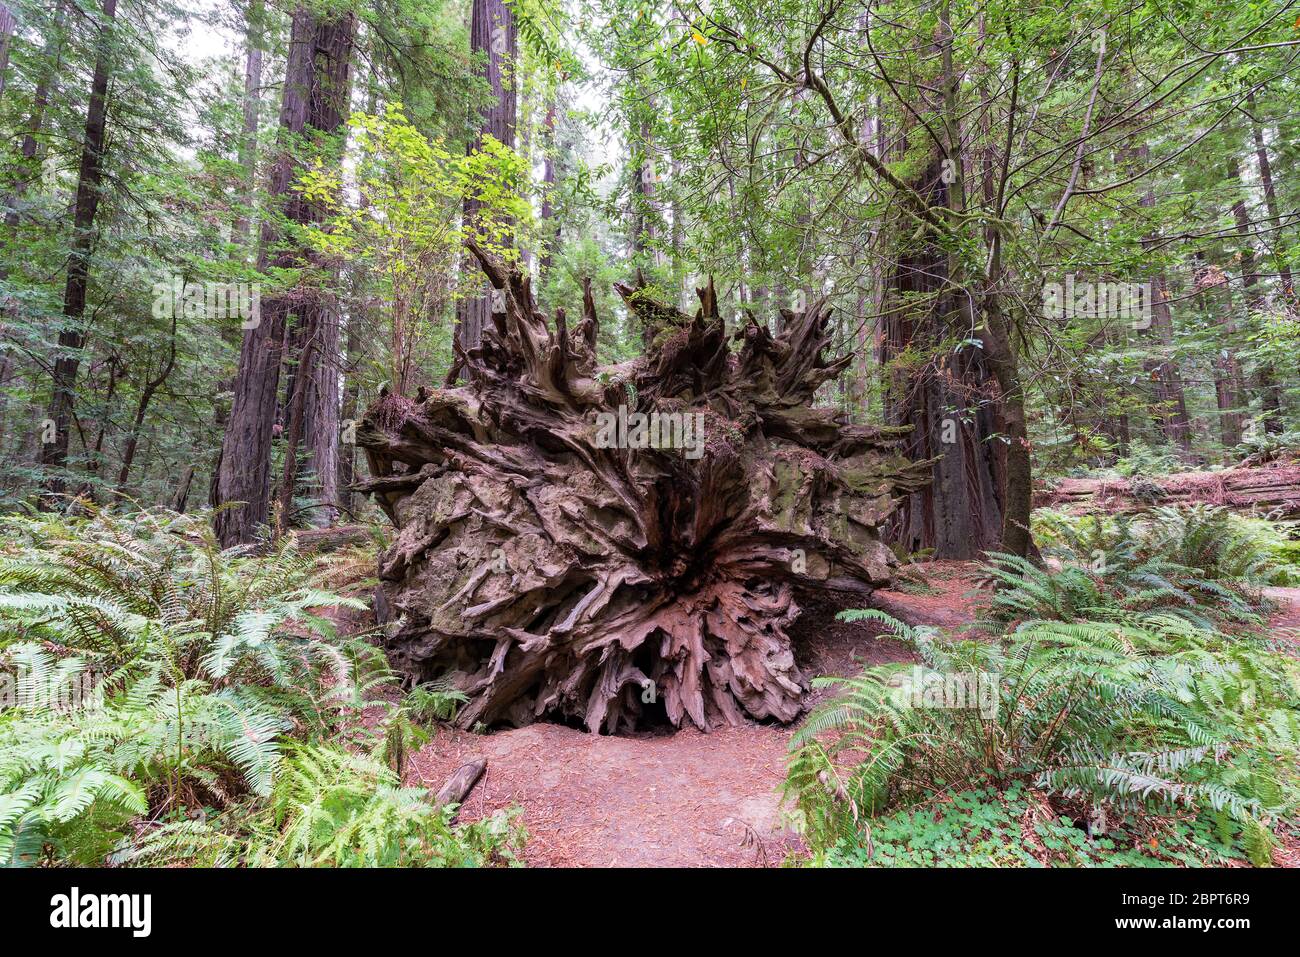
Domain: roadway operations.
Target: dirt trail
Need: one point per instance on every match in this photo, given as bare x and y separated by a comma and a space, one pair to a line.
687, 799
1286, 623
671, 800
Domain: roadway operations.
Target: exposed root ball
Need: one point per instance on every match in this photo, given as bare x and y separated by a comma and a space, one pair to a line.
550, 574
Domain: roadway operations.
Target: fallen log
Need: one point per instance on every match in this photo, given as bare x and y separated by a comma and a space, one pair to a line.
460, 783
1271, 489
621, 545
330, 538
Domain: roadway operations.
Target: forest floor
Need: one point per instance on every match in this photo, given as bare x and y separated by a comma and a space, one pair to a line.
688, 799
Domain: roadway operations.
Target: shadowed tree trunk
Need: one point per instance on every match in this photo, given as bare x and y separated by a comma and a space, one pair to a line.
324, 403
1269, 392
1270, 194
554, 563
955, 393
951, 401
550, 236
254, 38
28, 171
1161, 364
150, 388
492, 34
182, 494
1216, 297
31, 147
7, 25
72, 337
314, 100
1166, 376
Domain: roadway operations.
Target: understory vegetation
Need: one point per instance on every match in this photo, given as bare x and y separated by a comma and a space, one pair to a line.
165, 702
1123, 705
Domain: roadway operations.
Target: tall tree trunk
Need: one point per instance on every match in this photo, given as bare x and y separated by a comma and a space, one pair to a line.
952, 400
324, 404
7, 27
95, 453
316, 81
492, 34
645, 234
1163, 368
1215, 293
550, 236
297, 413
1165, 374
31, 147
1269, 392
72, 337
252, 106
1270, 194
150, 387
351, 413
525, 137
947, 402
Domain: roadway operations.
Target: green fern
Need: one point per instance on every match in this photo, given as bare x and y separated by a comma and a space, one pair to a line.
149, 670
1141, 711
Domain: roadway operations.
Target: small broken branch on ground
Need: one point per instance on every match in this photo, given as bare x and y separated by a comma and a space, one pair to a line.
460, 783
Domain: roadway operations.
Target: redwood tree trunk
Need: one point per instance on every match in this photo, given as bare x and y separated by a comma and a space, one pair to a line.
313, 102
550, 238
1170, 400
72, 337
7, 25
1269, 392
1163, 368
252, 105
492, 35
952, 403
1270, 194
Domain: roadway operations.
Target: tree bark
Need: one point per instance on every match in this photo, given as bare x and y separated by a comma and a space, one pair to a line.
1163, 368
7, 26
253, 39
182, 495
492, 35
458, 786
323, 423
1269, 392
289, 481
550, 236
314, 97
72, 337
1270, 194
1213, 292
30, 149
150, 387
1170, 400
952, 400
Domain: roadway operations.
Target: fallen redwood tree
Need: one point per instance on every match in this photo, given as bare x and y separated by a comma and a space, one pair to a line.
548, 571
1269, 489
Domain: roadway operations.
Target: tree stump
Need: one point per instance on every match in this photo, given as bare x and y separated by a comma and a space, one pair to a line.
616, 546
